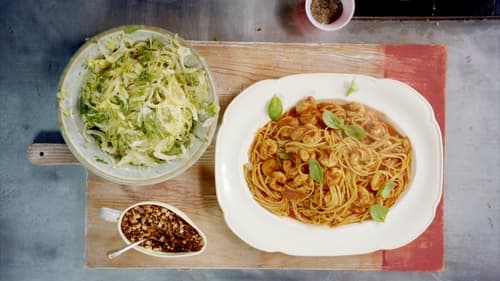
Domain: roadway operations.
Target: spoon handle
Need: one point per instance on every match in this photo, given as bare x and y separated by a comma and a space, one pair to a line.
115, 253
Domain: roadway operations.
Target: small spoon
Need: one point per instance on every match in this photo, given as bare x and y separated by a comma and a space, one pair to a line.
115, 253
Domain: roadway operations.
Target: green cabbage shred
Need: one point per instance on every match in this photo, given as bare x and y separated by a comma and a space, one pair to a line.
141, 100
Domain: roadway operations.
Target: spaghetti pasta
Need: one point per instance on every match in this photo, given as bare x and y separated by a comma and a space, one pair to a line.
360, 161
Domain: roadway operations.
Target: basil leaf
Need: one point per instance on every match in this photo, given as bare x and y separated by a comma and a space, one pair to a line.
131, 29
355, 131
316, 171
332, 121
275, 108
352, 88
378, 212
385, 191
283, 155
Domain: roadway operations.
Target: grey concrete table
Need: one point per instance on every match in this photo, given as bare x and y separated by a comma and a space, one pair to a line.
42, 208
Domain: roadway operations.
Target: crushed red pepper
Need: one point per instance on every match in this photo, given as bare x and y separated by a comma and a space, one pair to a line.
165, 230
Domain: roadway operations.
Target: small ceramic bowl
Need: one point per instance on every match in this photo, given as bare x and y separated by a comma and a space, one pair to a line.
343, 20
116, 216
88, 152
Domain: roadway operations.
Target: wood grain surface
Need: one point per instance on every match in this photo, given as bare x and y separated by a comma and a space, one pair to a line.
47, 154
235, 67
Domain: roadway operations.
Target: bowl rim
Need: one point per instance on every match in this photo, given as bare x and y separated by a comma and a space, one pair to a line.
334, 25
85, 160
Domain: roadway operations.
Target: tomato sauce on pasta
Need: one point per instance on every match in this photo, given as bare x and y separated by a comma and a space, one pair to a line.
357, 170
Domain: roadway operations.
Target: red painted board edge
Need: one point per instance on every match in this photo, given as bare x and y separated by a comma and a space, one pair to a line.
424, 68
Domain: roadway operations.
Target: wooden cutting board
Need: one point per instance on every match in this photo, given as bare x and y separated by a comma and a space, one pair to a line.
236, 66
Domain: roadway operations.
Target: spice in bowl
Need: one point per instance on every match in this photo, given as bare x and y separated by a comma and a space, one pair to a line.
164, 230
326, 11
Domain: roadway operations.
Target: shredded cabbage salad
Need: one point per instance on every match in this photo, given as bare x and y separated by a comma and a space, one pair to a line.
142, 100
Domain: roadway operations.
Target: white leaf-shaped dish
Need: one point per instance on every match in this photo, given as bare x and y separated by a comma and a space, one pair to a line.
408, 218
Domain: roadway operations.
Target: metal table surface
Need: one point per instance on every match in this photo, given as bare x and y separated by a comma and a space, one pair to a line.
42, 208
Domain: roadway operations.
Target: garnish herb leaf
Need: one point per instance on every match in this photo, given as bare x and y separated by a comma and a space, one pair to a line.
145, 77
355, 131
275, 108
212, 109
146, 56
385, 191
283, 155
316, 171
378, 212
84, 108
100, 160
332, 121
131, 29
352, 88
